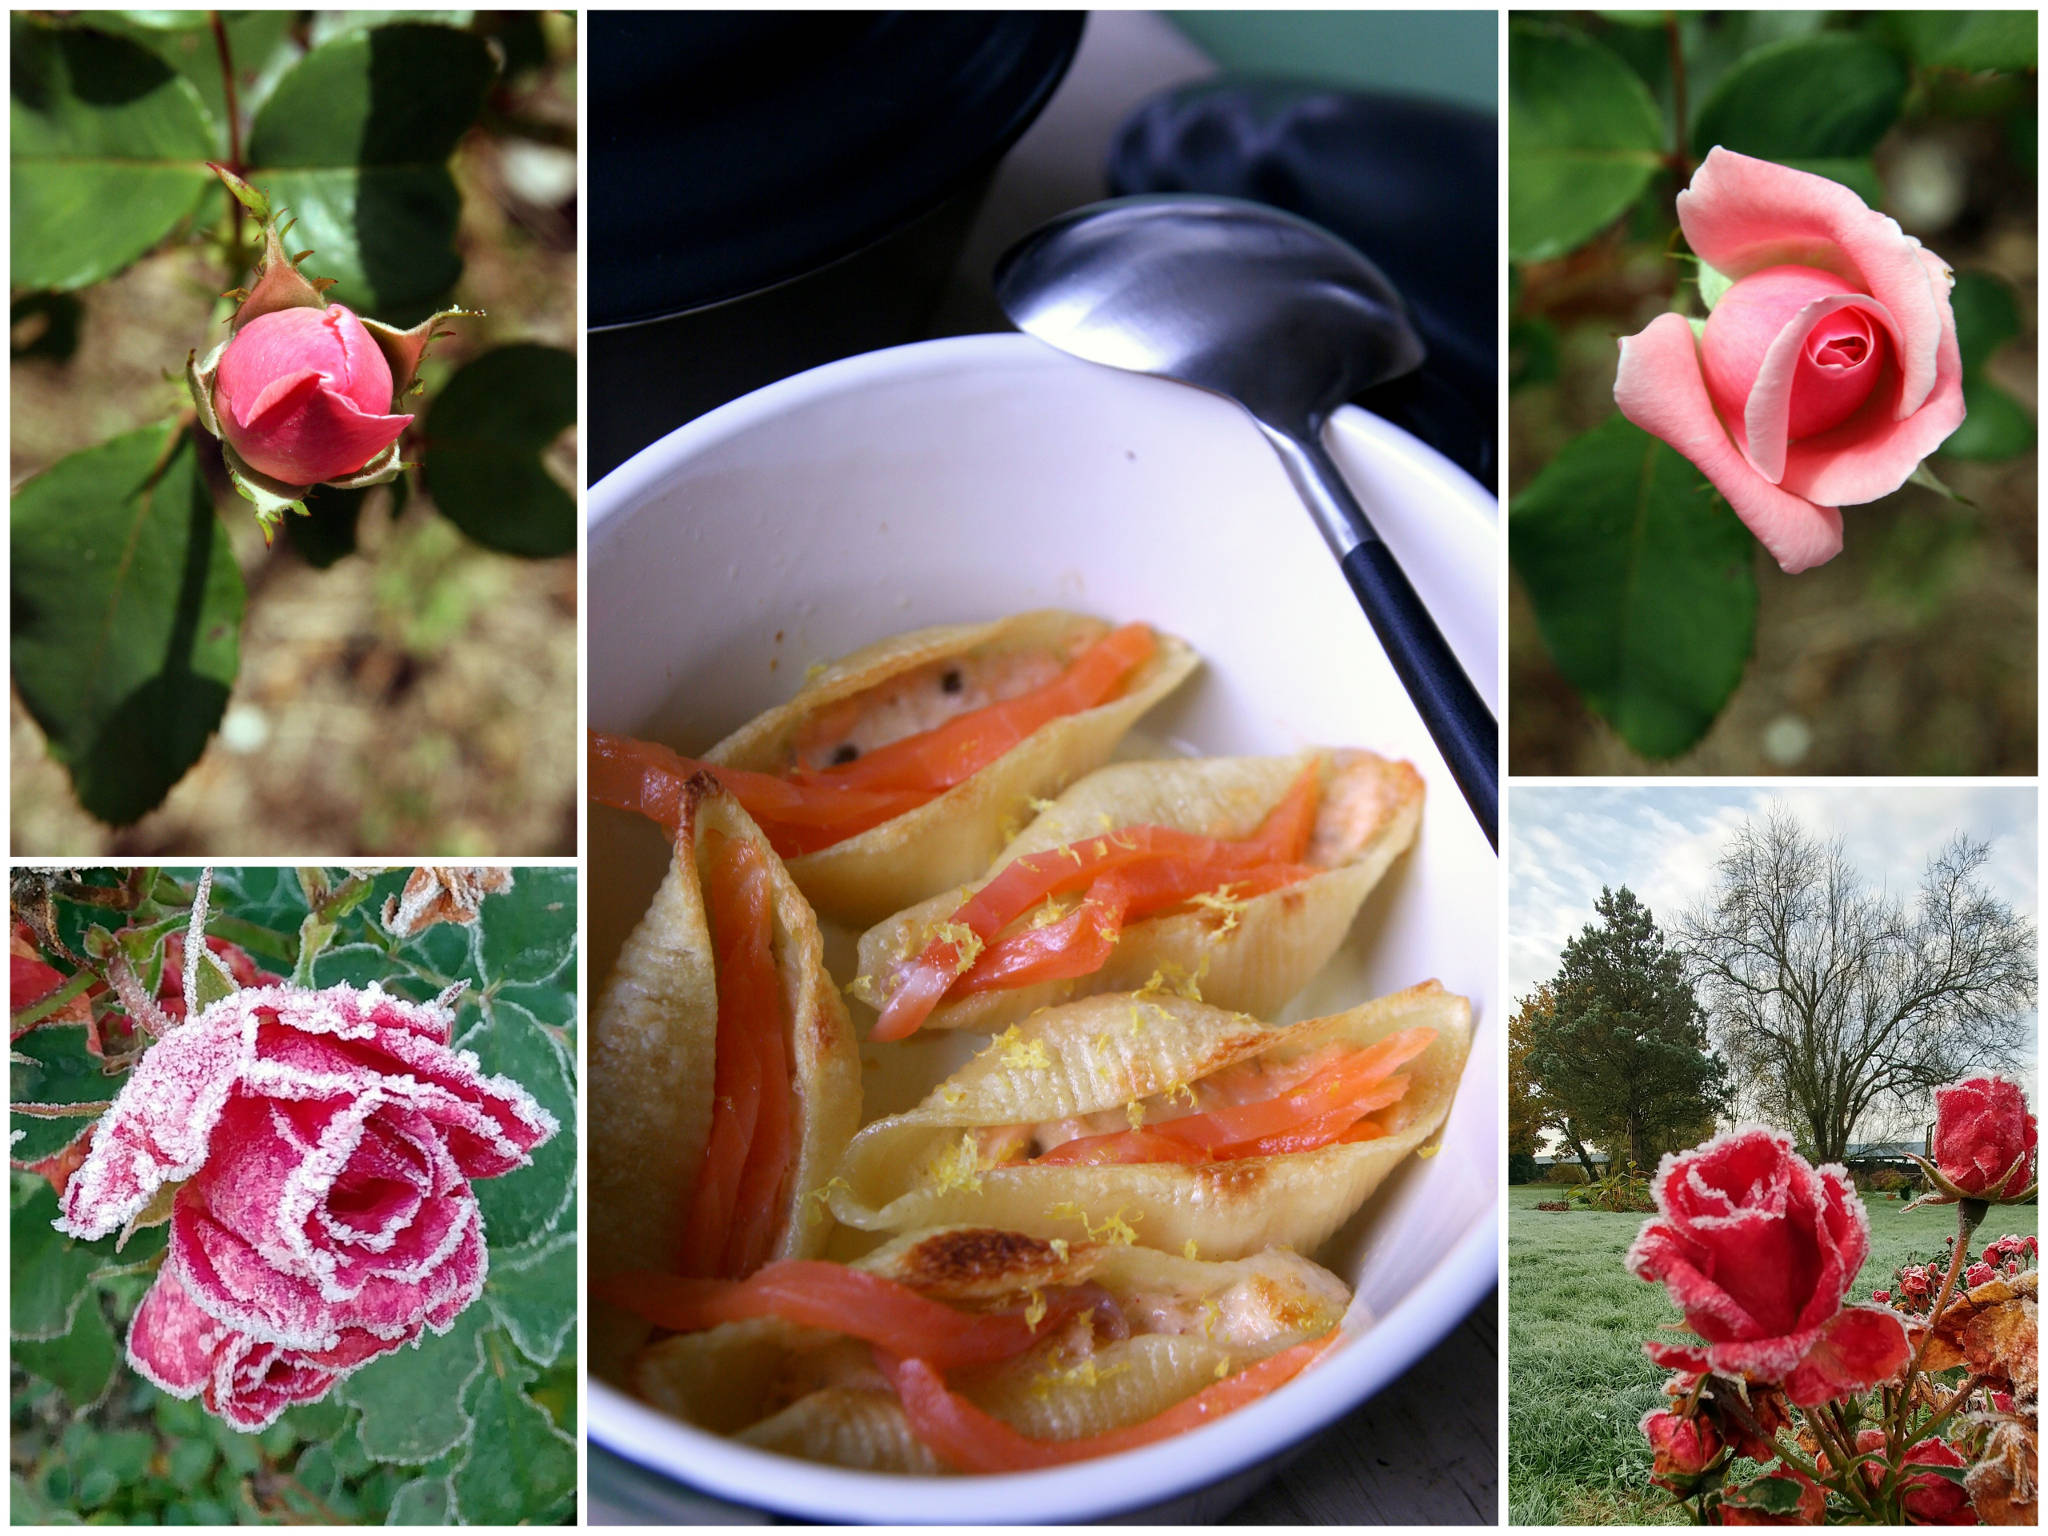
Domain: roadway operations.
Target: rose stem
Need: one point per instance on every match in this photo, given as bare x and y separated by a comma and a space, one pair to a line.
227, 80
1968, 1214
1681, 165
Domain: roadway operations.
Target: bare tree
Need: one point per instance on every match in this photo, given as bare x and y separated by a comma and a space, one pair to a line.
1833, 1000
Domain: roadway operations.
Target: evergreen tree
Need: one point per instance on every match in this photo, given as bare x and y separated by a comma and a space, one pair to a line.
1622, 1057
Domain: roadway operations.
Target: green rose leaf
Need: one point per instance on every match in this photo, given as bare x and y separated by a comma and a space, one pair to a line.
518, 1466
1827, 97
109, 147
81, 1363
51, 1273
535, 1299
1643, 584
1584, 139
1968, 40
487, 434
355, 141
529, 931
411, 1399
1987, 316
127, 611
51, 1065
525, 1205
259, 42
423, 1501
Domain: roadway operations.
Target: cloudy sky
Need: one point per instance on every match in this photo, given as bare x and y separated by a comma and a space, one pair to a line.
1662, 842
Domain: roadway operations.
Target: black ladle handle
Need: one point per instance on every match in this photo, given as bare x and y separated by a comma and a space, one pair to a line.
1458, 719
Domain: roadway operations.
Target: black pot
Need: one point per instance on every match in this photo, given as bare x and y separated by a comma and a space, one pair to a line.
773, 191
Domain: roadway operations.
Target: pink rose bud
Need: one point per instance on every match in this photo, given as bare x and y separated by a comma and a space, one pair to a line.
1759, 1248
1821, 381
1979, 1274
304, 395
1982, 1129
1880, 1295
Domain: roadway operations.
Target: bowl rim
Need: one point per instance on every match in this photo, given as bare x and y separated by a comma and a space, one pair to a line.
638, 477
1088, 1490
1132, 1480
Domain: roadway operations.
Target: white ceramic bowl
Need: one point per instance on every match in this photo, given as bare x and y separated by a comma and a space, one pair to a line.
969, 478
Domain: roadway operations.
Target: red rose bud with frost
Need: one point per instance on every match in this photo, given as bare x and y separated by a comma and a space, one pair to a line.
1680, 1447
322, 1146
304, 395
1927, 1498
1979, 1274
1758, 1248
1984, 1139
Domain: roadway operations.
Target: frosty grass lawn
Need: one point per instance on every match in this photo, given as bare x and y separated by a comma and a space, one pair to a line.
1578, 1379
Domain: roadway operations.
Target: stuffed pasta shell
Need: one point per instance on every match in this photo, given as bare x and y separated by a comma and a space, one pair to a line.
895, 772
975, 1349
724, 1071
1167, 1122
1242, 874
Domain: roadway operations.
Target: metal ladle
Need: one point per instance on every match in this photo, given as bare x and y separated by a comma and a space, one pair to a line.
1281, 316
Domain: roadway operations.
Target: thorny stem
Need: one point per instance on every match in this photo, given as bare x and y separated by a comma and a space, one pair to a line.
1966, 1226
227, 80
36, 1012
1850, 1482
1680, 164
1941, 1414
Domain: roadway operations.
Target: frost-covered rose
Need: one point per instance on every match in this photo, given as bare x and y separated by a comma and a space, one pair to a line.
1759, 1248
1984, 1137
304, 395
1828, 368
1680, 1447
323, 1145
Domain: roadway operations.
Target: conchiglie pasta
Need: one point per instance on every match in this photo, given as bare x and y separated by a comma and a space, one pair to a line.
652, 1064
1250, 955
810, 1393
1106, 1058
951, 838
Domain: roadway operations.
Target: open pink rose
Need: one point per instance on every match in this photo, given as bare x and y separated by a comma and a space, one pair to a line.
304, 395
1981, 1130
322, 1144
1759, 1248
1828, 369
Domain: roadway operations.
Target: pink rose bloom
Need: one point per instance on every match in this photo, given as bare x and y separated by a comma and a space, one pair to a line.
1759, 1249
1880, 1295
1826, 372
325, 1142
1982, 1129
304, 395
1979, 1274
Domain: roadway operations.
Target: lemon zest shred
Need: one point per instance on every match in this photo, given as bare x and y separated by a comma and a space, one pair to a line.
1073, 853
1135, 1113
1038, 807
819, 1200
1047, 915
1187, 1249
1021, 1055
1223, 1368
1059, 1248
966, 944
1111, 1229
1034, 1310
958, 1167
1212, 1314
816, 670
1220, 901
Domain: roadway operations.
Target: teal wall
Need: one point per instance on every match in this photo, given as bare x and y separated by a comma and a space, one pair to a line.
1451, 55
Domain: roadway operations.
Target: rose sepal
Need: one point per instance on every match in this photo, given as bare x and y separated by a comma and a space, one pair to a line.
405, 350
1946, 1192
379, 471
1713, 283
